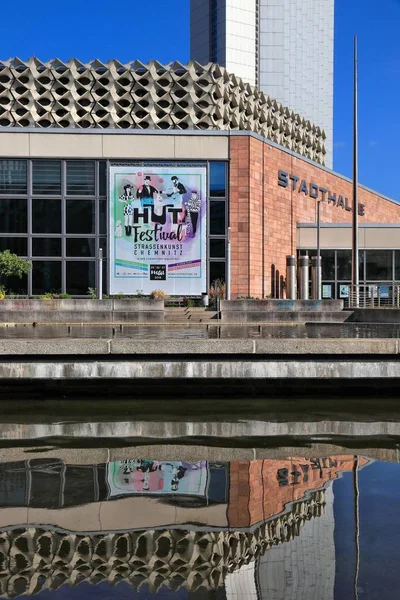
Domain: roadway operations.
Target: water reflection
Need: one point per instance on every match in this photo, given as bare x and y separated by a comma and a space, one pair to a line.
177, 529
213, 331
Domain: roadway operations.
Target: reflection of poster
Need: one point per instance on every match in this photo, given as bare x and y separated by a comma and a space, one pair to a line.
158, 229
344, 291
157, 477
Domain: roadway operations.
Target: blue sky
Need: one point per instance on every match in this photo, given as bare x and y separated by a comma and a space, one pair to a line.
160, 29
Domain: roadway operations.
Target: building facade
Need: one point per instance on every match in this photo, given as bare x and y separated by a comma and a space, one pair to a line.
261, 202
256, 41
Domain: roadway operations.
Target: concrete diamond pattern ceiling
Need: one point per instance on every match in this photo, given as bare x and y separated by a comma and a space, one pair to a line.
147, 96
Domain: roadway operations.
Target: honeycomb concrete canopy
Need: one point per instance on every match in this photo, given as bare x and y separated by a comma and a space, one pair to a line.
73, 94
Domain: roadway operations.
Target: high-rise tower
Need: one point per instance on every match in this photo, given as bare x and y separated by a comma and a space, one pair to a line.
283, 47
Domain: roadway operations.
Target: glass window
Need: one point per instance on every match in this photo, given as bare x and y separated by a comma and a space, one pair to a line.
103, 245
80, 277
343, 258
46, 276
80, 216
46, 177
103, 216
344, 264
218, 179
397, 265
16, 285
217, 271
379, 265
15, 245
80, 178
46, 246
217, 248
102, 178
13, 177
217, 218
328, 264
13, 215
46, 215
81, 247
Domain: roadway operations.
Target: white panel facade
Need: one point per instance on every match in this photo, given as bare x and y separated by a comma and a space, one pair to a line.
241, 39
296, 58
284, 47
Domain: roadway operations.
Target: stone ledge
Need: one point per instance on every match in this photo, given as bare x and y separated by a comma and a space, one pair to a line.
167, 346
174, 346
53, 347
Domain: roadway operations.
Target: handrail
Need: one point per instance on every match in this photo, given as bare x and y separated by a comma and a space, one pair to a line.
373, 295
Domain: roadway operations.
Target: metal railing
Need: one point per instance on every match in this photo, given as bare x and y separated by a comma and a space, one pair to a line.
373, 296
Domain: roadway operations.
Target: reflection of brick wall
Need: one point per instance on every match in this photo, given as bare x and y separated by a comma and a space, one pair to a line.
239, 492
264, 217
260, 489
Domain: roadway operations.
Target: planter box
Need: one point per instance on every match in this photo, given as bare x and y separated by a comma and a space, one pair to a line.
280, 305
275, 311
140, 310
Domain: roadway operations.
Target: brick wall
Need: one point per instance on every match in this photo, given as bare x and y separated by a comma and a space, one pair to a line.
264, 216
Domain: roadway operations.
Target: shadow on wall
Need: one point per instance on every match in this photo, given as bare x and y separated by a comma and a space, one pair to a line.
278, 283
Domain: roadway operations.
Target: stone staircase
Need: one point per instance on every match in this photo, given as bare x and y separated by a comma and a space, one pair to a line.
190, 315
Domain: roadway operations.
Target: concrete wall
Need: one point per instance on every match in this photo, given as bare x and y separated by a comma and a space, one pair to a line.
98, 145
82, 311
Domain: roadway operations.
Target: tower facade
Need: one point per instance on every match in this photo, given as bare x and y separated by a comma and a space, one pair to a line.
283, 47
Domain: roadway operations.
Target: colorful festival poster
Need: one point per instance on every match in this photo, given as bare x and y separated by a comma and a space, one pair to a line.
157, 477
158, 230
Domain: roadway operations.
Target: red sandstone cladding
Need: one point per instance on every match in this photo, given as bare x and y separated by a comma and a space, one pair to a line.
272, 213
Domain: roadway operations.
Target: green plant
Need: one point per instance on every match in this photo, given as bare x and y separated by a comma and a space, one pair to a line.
62, 296
2, 292
12, 265
92, 293
47, 296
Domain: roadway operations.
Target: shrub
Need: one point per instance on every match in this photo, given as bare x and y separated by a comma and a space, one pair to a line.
159, 295
12, 265
2, 292
92, 293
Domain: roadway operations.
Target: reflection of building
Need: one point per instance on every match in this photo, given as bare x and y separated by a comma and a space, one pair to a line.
35, 558
266, 42
306, 567
213, 540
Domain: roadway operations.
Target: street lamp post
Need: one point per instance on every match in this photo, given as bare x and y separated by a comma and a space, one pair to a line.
318, 273
354, 257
